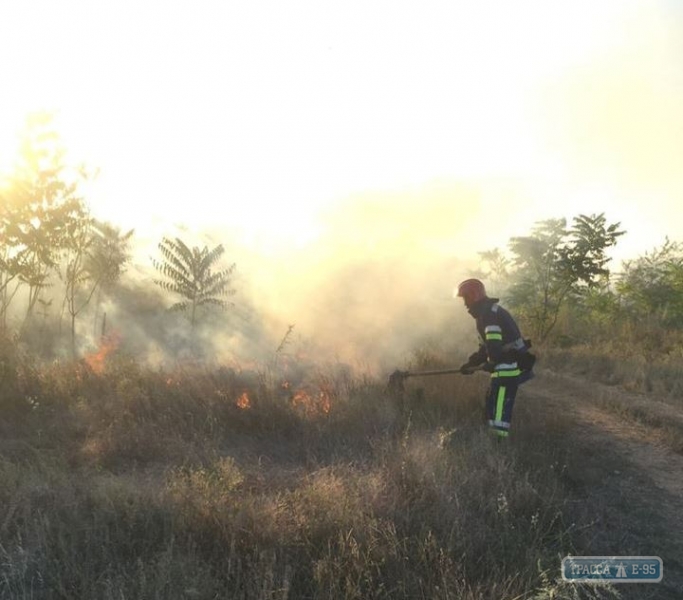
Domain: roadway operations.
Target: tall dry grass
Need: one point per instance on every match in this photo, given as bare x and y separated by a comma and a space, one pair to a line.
133, 483
642, 356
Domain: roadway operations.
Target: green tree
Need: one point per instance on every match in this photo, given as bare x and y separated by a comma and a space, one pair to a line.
495, 269
37, 205
652, 284
556, 263
93, 257
190, 274
76, 279
10, 269
106, 262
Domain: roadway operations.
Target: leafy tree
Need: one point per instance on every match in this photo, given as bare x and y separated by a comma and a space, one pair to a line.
538, 275
93, 256
37, 205
652, 284
190, 274
585, 256
495, 269
10, 269
107, 258
556, 263
78, 240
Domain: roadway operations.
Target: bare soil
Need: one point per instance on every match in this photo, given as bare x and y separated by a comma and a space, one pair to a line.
629, 475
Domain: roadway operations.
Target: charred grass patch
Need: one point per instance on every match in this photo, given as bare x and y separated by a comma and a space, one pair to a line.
134, 483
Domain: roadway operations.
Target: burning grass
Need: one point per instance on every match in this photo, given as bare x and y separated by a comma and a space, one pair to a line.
98, 359
243, 401
205, 483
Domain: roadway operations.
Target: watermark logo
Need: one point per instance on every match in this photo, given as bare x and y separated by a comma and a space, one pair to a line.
615, 569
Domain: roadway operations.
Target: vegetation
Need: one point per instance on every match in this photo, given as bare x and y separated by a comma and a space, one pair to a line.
106, 262
299, 479
199, 483
189, 273
40, 207
652, 284
553, 265
51, 248
621, 328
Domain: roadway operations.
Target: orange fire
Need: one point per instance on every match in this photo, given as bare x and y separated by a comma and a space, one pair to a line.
243, 401
324, 402
301, 398
97, 360
312, 405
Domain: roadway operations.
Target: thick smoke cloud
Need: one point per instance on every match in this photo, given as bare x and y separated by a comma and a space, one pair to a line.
370, 290
377, 283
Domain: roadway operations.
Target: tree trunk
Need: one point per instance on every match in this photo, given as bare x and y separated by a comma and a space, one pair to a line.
73, 335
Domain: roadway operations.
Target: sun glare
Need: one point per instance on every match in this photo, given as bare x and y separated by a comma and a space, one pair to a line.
8, 155
261, 120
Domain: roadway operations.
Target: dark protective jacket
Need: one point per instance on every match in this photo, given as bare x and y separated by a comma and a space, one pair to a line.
502, 345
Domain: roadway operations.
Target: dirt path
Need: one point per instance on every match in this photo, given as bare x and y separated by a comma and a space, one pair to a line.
623, 463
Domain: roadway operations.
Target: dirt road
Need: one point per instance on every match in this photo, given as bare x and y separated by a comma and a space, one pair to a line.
623, 460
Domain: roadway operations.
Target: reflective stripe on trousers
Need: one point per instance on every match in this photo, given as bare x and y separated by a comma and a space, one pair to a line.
500, 400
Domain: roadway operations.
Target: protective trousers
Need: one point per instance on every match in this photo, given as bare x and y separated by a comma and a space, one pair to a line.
500, 399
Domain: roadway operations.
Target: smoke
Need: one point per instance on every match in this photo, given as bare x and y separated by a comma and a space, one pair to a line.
371, 289
376, 284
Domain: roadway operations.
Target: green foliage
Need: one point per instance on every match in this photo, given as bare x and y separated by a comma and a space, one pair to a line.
652, 284
47, 231
594, 314
39, 206
75, 275
553, 265
583, 257
497, 271
190, 274
106, 261
109, 252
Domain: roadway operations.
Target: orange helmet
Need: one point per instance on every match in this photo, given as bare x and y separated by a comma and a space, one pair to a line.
471, 290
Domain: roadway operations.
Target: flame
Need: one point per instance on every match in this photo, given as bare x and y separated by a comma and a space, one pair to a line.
312, 405
324, 402
301, 398
96, 360
243, 401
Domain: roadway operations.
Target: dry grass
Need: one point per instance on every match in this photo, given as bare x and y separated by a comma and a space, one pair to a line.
140, 484
646, 358
657, 421
643, 372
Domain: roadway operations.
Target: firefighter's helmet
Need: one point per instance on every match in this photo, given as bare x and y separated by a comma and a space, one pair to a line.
471, 291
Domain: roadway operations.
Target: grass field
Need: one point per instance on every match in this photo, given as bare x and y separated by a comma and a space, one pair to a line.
307, 483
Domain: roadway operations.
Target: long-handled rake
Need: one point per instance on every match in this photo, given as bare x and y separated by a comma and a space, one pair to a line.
397, 378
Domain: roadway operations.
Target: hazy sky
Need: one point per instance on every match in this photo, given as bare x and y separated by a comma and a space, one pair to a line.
279, 119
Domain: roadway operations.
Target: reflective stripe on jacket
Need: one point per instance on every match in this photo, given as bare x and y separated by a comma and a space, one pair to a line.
500, 338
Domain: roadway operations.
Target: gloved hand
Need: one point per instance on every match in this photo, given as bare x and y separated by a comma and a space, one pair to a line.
489, 367
474, 358
466, 369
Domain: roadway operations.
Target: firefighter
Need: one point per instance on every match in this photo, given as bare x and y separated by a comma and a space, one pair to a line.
502, 352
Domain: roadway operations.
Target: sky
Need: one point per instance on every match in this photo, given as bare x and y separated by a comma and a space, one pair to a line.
326, 132
265, 115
